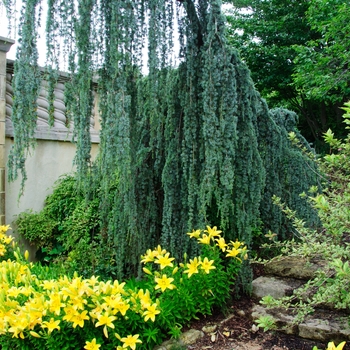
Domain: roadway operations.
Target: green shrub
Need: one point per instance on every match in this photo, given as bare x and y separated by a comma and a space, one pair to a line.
66, 229
38, 228
331, 285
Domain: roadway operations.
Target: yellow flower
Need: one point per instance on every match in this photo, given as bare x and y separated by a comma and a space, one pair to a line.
69, 313
164, 283
78, 302
148, 257
118, 287
331, 346
92, 345
4, 228
51, 325
236, 244
212, 232
18, 324
158, 251
145, 298
78, 319
151, 312
131, 341
207, 265
113, 301
55, 303
192, 266
233, 253
123, 307
194, 233
220, 242
205, 239
164, 261
2, 250
106, 321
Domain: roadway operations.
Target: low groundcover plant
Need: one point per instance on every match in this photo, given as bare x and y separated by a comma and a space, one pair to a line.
42, 309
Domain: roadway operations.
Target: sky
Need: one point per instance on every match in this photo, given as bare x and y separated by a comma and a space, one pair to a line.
4, 32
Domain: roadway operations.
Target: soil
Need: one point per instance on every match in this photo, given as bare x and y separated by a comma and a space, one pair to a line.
236, 331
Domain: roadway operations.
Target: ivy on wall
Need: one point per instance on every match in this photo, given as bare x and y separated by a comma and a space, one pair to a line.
181, 147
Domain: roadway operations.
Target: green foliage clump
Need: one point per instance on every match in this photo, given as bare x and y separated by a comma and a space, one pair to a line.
330, 286
66, 230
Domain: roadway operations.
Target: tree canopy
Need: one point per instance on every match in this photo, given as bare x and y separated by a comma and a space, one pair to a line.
297, 52
181, 147
322, 65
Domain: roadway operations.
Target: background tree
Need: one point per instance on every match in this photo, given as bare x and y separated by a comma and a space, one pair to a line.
180, 148
322, 65
270, 35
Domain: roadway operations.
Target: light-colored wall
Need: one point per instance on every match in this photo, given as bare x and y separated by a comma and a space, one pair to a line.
47, 162
53, 154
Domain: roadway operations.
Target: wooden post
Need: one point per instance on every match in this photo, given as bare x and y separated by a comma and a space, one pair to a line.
5, 45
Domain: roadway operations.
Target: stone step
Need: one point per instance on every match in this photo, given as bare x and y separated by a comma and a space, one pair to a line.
293, 267
275, 286
323, 325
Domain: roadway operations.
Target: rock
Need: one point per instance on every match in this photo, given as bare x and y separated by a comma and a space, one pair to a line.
336, 328
283, 319
191, 336
168, 344
293, 267
210, 328
255, 328
274, 286
241, 313
186, 338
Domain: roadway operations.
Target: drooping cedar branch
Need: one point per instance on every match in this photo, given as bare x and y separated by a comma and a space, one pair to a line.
196, 26
181, 147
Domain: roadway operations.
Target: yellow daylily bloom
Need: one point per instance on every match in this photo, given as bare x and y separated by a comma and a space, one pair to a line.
236, 244
51, 325
164, 261
151, 313
220, 242
55, 304
212, 232
207, 265
105, 320
164, 283
340, 346
204, 239
194, 234
78, 319
131, 341
233, 252
192, 266
158, 251
4, 228
92, 345
148, 257
145, 298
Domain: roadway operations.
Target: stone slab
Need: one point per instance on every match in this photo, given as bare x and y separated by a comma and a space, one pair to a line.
274, 286
293, 267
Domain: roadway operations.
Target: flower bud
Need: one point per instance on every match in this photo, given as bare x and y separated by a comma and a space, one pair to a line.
146, 270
